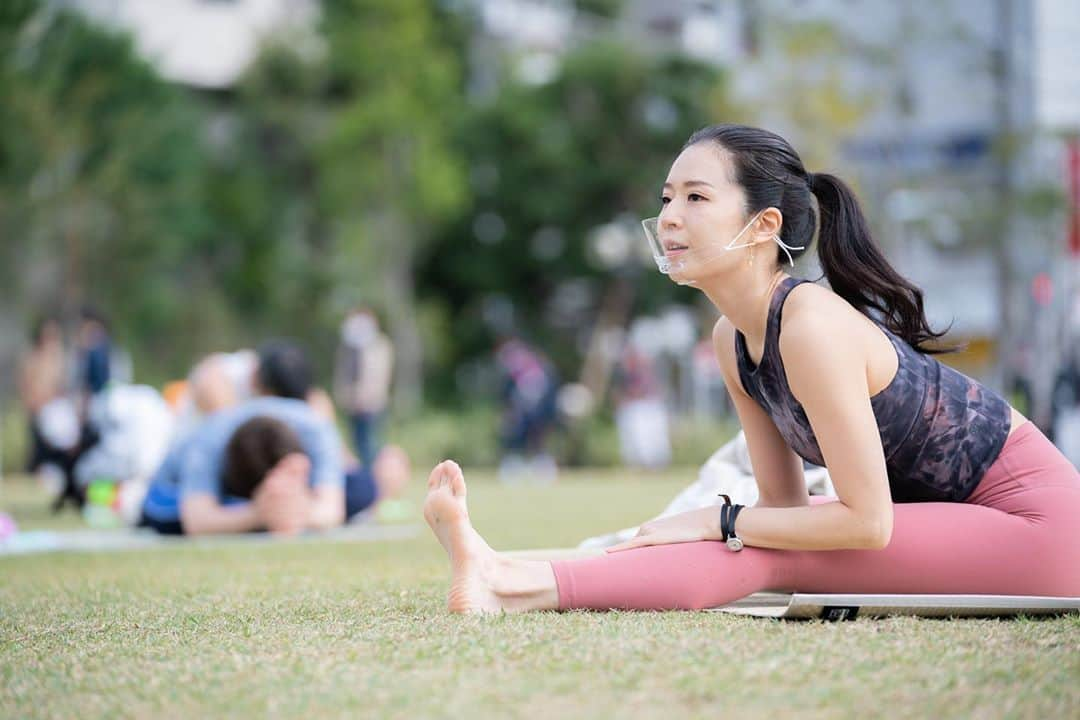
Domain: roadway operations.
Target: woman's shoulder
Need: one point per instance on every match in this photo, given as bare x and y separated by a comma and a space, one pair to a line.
816, 317
723, 338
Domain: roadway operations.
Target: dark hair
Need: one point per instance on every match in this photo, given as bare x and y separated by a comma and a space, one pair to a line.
772, 175
37, 332
91, 314
254, 448
284, 369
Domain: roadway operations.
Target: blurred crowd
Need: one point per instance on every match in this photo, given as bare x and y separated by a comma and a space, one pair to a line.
248, 440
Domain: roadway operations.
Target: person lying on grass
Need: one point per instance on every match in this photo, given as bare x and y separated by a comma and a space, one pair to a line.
268, 464
942, 487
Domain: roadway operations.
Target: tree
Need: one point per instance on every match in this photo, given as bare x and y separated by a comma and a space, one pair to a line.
389, 170
269, 247
100, 167
549, 165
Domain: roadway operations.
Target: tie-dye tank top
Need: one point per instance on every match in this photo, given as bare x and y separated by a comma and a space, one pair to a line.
940, 429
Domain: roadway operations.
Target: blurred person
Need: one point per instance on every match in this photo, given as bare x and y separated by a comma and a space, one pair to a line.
270, 463
42, 370
363, 371
941, 486
1065, 409
222, 380
641, 417
284, 370
94, 351
528, 391
198, 469
58, 431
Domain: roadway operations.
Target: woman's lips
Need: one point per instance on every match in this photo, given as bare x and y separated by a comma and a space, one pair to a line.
673, 251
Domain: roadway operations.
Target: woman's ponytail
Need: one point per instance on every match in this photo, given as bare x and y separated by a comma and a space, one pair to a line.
859, 273
772, 175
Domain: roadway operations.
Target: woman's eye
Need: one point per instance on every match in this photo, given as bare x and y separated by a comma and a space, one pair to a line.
665, 200
695, 197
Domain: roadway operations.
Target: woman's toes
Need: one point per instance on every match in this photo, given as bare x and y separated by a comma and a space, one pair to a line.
456, 479
438, 476
433, 478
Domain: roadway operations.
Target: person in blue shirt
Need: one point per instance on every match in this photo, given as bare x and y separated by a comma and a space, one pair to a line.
270, 463
95, 350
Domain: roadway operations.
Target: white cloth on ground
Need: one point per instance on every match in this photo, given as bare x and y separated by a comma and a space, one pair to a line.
135, 425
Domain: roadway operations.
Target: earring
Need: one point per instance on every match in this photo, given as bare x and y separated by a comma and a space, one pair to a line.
750, 258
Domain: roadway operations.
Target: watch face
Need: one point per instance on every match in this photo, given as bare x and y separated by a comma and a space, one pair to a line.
734, 544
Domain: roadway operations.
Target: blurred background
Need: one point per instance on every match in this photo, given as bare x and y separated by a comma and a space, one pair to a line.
186, 177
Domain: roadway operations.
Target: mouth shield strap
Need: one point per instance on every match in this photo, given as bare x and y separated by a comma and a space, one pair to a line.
692, 256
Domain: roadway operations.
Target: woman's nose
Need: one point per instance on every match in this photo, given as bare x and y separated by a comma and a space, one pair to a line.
669, 219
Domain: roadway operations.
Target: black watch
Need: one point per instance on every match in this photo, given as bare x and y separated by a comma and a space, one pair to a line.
728, 513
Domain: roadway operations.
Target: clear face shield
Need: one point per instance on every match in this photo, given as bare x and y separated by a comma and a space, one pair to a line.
675, 260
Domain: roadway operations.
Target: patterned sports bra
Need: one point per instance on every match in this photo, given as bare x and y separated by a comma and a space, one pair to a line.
940, 429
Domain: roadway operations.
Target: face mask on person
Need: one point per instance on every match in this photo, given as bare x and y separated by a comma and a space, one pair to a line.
358, 331
681, 260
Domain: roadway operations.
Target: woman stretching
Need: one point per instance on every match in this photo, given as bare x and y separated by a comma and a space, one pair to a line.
943, 488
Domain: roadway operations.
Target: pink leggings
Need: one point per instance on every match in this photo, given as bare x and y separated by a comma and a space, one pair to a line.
1018, 534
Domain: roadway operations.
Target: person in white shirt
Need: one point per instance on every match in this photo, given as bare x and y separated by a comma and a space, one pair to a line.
362, 374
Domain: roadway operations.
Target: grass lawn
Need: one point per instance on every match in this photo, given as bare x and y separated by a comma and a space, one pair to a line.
328, 629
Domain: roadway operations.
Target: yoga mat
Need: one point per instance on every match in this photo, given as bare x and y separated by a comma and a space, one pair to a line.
849, 607
43, 541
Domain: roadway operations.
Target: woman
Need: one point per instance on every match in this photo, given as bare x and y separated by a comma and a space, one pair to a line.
41, 381
942, 486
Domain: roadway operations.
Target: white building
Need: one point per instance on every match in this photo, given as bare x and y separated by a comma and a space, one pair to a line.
204, 43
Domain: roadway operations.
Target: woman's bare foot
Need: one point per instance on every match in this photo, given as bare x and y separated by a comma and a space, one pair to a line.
391, 470
473, 563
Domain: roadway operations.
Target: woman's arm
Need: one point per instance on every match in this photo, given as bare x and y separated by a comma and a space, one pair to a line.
826, 370
202, 514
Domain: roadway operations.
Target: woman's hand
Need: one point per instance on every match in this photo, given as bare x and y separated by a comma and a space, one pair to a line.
692, 526
283, 500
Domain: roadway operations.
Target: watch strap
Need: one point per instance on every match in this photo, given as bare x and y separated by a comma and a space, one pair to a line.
732, 514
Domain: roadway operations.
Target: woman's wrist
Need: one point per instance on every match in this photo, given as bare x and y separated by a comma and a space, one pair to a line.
715, 529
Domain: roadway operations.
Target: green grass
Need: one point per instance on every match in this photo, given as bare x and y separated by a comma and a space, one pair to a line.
324, 629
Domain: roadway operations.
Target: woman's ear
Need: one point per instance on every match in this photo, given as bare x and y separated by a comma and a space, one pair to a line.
768, 225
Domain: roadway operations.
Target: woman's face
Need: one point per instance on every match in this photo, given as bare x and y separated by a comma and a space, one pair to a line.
50, 334
702, 211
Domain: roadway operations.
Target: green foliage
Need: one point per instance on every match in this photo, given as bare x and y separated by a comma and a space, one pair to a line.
354, 174
467, 434
100, 168
389, 172
600, 8
388, 143
268, 245
551, 163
